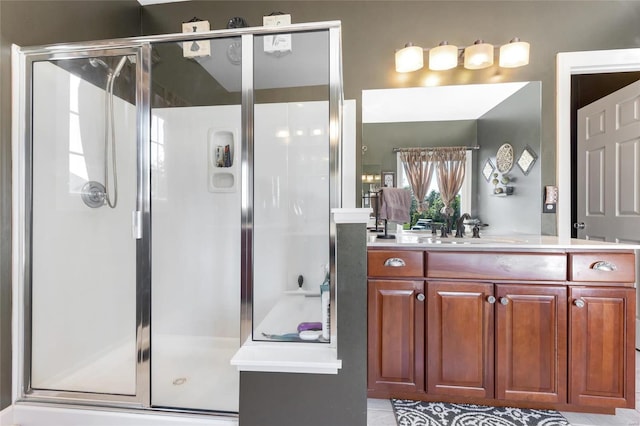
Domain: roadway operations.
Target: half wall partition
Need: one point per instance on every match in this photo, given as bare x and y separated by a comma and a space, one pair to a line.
164, 204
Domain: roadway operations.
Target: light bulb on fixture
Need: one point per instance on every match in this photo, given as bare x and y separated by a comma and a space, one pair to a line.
443, 57
514, 54
479, 55
410, 58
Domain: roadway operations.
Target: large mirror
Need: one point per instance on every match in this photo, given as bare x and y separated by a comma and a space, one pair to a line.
483, 117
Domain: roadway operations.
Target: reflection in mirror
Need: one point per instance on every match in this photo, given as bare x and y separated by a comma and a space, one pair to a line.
484, 115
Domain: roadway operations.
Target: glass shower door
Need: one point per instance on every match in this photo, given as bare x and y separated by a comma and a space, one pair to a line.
195, 204
83, 192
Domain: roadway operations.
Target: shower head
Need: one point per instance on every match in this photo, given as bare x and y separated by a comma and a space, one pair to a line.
97, 62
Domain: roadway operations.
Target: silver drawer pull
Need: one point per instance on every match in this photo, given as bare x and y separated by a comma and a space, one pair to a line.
394, 262
604, 266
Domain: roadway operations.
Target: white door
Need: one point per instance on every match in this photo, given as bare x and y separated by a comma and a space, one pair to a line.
609, 167
608, 185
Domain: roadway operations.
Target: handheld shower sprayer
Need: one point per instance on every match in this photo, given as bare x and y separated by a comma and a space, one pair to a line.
95, 194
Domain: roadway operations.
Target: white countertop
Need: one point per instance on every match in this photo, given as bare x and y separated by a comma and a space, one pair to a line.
425, 240
261, 354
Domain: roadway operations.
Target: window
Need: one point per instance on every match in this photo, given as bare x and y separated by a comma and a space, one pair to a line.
465, 190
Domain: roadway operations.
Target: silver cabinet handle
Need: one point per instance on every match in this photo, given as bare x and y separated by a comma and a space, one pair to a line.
604, 266
394, 262
421, 297
504, 301
491, 299
579, 303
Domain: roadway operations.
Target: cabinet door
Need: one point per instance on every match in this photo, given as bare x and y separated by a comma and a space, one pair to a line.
396, 336
531, 343
601, 351
460, 339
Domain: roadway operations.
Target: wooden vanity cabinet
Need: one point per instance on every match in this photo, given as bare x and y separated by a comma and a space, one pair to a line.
602, 348
543, 329
460, 339
531, 343
395, 331
511, 338
602, 329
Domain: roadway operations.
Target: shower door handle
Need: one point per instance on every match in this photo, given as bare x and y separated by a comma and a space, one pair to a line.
136, 224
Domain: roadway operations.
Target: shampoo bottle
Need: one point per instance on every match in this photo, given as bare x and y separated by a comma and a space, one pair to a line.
325, 302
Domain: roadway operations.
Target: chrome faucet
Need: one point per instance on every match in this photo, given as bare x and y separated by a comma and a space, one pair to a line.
460, 224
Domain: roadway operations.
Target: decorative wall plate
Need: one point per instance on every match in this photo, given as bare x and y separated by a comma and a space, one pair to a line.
487, 169
526, 160
504, 158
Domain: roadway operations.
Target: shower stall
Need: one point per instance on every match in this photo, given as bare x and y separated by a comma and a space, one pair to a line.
165, 201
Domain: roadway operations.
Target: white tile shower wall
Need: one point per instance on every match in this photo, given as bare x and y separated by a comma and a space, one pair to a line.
83, 258
195, 232
291, 208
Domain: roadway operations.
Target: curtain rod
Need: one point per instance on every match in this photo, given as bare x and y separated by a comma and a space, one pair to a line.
469, 148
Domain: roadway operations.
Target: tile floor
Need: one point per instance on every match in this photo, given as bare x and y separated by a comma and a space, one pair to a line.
380, 413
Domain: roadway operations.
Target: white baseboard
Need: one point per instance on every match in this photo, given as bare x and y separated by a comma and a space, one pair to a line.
6, 416
38, 415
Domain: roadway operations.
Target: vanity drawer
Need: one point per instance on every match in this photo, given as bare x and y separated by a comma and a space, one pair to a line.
498, 266
395, 263
602, 267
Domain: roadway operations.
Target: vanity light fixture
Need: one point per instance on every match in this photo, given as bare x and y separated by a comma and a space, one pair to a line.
409, 59
514, 54
443, 57
479, 55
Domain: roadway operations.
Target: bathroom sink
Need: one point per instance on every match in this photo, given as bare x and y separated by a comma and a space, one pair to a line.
413, 237
454, 240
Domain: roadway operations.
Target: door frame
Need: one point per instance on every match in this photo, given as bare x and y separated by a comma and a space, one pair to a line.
22, 212
568, 64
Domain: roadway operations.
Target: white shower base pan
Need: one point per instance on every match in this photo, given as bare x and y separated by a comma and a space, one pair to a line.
40, 415
187, 372
194, 372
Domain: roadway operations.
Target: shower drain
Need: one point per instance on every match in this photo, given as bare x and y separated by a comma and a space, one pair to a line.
180, 381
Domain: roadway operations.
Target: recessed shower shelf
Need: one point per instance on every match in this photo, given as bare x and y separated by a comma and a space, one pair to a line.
222, 161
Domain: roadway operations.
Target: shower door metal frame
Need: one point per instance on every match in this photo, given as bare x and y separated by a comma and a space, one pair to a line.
24, 60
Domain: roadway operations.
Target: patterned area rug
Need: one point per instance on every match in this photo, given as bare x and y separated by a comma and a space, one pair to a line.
418, 413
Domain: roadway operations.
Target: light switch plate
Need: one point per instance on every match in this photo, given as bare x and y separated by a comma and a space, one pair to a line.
548, 208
